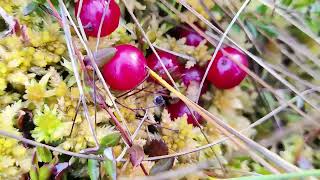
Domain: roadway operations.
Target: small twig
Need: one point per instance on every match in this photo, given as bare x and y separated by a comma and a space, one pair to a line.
101, 23
71, 51
255, 58
9, 20
84, 40
149, 42
37, 144
184, 56
282, 13
176, 174
223, 139
75, 116
230, 132
133, 136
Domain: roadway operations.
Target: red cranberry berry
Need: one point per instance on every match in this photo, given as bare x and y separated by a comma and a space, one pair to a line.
194, 74
193, 38
127, 68
170, 61
224, 73
92, 13
179, 108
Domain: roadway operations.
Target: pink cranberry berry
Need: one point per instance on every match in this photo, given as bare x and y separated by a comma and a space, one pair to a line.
179, 108
224, 73
193, 38
170, 61
194, 74
127, 69
92, 13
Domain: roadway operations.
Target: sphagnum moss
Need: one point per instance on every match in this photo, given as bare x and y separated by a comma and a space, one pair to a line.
36, 75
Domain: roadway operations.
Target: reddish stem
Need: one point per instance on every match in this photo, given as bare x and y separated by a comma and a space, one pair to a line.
144, 169
55, 12
123, 133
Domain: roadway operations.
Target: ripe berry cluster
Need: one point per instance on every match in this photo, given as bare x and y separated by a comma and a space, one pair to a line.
128, 67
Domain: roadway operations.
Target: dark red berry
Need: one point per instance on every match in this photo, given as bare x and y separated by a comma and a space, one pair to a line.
126, 69
194, 74
224, 73
179, 108
170, 61
92, 13
192, 37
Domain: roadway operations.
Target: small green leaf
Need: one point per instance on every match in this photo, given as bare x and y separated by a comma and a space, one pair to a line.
286, 2
262, 9
109, 167
252, 29
44, 172
93, 169
44, 155
269, 29
110, 140
302, 3
31, 7
33, 173
40, 1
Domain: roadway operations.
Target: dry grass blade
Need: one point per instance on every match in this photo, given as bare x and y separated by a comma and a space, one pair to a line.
149, 42
184, 56
253, 125
255, 58
72, 56
224, 35
227, 130
37, 144
297, 47
9, 20
159, 59
176, 174
271, 4
84, 42
291, 75
134, 135
303, 66
182, 17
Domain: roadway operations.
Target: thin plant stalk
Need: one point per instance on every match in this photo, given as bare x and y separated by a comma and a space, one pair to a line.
226, 129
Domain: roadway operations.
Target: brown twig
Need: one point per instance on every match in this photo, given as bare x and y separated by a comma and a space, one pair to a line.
37, 144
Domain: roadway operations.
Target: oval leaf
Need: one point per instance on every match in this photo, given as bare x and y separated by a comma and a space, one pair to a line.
136, 155
44, 155
110, 140
93, 169
156, 147
110, 168
44, 172
33, 173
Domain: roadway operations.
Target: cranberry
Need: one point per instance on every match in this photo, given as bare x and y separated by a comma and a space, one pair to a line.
224, 73
127, 68
170, 61
194, 74
179, 108
92, 13
193, 38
